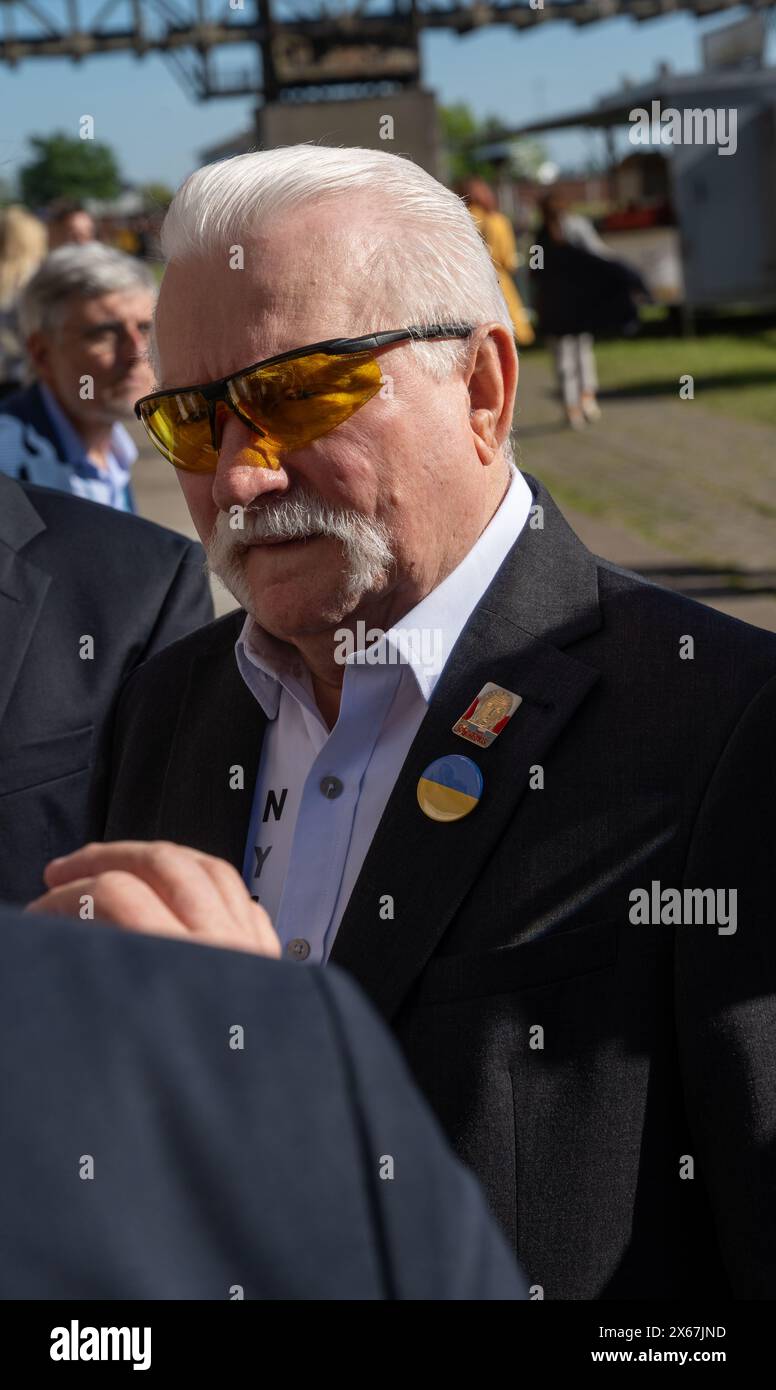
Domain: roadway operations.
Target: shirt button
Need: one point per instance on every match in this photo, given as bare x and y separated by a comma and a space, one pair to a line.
298, 948
331, 787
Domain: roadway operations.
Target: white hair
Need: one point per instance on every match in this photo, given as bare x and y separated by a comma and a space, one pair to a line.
429, 263
85, 271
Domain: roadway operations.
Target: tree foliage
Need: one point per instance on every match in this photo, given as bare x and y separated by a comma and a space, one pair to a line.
67, 167
156, 196
462, 136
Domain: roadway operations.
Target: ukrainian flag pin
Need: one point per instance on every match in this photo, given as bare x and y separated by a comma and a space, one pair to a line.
450, 788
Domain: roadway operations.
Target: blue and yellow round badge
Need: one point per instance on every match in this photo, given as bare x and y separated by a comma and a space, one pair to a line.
449, 788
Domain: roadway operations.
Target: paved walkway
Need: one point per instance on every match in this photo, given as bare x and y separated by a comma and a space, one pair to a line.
664, 487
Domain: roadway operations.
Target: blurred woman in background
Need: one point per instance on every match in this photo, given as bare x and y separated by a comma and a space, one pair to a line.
23, 245
496, 231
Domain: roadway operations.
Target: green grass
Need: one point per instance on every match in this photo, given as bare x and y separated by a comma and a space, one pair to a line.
733, 374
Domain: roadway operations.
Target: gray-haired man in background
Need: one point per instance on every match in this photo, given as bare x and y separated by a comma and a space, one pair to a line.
84, 317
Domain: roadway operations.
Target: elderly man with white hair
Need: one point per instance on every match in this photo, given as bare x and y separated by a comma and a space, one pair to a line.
444, 746
84, 316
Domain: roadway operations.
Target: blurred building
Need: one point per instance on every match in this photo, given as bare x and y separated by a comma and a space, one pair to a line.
404, 123
699, 224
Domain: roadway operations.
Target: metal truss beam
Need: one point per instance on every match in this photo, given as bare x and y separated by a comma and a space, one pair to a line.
373, 44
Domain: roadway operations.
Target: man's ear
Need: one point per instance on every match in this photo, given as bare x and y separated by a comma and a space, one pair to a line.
37, 351
492, 385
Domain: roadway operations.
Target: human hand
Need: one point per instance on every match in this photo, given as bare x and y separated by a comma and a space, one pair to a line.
161, 889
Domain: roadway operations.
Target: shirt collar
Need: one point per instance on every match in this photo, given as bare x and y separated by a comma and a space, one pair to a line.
121, 451
266, 664
424, 638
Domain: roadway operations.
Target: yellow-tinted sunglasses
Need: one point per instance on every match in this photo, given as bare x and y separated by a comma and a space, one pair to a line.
287, 400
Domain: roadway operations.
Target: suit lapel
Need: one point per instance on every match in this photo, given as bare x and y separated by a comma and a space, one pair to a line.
23, 587
544, 597
36, 416
220, 728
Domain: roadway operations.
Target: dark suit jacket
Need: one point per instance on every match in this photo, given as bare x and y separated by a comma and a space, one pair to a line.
71, 569
216, 1166
624, 764
576, 291
27, 457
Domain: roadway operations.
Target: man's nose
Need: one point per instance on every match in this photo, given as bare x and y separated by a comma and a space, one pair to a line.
239, 478
133, 344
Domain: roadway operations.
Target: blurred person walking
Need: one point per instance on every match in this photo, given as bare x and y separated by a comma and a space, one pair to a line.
85, 317
581, 290
69, 223
22, 248
496, 231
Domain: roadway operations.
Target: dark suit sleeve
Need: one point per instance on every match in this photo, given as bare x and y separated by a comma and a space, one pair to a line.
215, 1166
726, 1003
438, 1239
187, 603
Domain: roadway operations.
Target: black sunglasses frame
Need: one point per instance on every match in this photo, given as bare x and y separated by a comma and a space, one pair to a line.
215, 391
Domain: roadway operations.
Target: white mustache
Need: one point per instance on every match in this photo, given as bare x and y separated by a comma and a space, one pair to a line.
292, 519
368, 554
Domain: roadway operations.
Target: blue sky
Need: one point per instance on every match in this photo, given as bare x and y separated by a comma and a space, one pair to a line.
157, 131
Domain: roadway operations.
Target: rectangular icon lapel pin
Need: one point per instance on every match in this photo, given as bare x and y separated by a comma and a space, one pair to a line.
488, 713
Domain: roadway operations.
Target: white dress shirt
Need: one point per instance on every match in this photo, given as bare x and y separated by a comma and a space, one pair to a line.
320, 794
